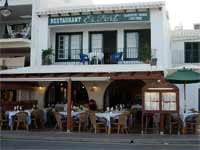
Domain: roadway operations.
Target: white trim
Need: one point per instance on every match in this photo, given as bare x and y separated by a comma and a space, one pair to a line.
99, 8
160, 88
15, 43
83, 69
56, 79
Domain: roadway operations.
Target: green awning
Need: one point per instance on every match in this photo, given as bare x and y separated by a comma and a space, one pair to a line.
184, 76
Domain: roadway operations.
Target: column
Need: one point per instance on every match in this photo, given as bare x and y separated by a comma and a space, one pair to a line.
69, 101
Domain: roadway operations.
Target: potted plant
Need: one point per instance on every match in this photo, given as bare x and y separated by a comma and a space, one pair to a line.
47, 56
3, 67
145, 53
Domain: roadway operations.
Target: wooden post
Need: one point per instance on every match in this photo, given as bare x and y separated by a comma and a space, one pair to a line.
69, 101
161, 123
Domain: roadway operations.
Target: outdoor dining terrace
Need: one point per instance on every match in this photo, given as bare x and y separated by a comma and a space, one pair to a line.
118, 119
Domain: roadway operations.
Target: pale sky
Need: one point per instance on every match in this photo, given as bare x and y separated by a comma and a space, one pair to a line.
185, 12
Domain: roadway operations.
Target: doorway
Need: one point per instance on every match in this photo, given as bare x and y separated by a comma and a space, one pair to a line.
110, 45
104, 42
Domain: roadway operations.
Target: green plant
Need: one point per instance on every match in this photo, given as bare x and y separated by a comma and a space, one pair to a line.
145, 53
47, 56
3, 67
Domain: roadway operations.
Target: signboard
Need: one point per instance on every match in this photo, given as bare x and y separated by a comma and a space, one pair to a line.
100, 18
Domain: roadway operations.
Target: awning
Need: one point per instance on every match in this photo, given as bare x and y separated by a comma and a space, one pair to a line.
18, 85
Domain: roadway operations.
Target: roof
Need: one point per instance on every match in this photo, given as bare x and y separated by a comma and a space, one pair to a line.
186, 35
98, 8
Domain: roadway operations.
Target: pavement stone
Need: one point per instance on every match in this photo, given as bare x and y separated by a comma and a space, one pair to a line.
101, 137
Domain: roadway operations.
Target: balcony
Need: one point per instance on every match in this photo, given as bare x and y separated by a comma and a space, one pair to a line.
13, 31
185, 57
12, 62
101, 57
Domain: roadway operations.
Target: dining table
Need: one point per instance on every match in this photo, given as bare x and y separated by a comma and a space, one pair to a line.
12, 114
108, 116
73, 113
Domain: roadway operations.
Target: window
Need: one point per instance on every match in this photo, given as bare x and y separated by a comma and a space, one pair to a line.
96, 42
169, 101
151, 101
131, 45
192, 52
68, 46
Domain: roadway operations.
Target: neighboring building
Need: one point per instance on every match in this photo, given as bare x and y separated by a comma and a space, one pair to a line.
15, 35
185, 50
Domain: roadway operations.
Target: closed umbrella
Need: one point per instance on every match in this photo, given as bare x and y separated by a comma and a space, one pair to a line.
184, 76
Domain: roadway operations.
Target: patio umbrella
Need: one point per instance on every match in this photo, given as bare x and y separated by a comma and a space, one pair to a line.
184, 76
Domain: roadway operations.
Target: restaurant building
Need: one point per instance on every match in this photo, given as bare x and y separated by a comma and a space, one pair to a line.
114, 54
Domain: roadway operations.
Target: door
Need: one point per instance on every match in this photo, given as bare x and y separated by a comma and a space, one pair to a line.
110, 45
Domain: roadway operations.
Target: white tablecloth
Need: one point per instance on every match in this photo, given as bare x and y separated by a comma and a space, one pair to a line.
108, 116
11, 114
185, 115
73, 114
97, 55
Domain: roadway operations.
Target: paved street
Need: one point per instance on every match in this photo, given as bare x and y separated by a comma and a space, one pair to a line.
26, 144
56, 140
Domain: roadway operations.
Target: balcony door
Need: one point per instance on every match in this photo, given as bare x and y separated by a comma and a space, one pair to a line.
68, 46
103, 44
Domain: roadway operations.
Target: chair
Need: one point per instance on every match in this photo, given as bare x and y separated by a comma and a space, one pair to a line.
96, 125
10, 31
172, 123
3, 121
121, 125
22, 119
26, 34
84, 58
190, 123
197, 126
82, 121
37, 118
116, 56
59, 120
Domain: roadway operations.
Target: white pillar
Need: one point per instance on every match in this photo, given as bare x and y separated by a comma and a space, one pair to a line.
157, 34
40, 35
120, 39
85, 42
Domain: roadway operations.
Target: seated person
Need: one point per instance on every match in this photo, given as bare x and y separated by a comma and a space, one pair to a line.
92, 105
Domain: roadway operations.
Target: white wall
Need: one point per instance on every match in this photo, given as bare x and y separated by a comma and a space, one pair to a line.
192, 99
47, 4
98, 93
178, 52
40, 36
160, 36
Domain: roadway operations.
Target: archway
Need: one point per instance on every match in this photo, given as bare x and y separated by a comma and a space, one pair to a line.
56, 93
127, 92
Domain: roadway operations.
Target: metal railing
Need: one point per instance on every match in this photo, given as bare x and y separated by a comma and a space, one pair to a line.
181, 57
101, 56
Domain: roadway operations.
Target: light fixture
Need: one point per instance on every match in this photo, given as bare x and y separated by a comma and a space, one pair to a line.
5, 11
94, 87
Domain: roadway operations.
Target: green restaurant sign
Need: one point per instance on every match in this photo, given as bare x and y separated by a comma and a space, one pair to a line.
100, 18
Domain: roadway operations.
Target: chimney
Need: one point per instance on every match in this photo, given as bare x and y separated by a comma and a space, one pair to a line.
197, 26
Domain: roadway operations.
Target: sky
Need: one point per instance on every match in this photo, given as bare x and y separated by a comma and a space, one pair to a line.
181, 12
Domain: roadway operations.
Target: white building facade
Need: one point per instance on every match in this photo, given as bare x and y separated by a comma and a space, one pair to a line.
110, 37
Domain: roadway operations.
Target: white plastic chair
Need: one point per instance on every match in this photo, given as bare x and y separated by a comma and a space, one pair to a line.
10, 31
